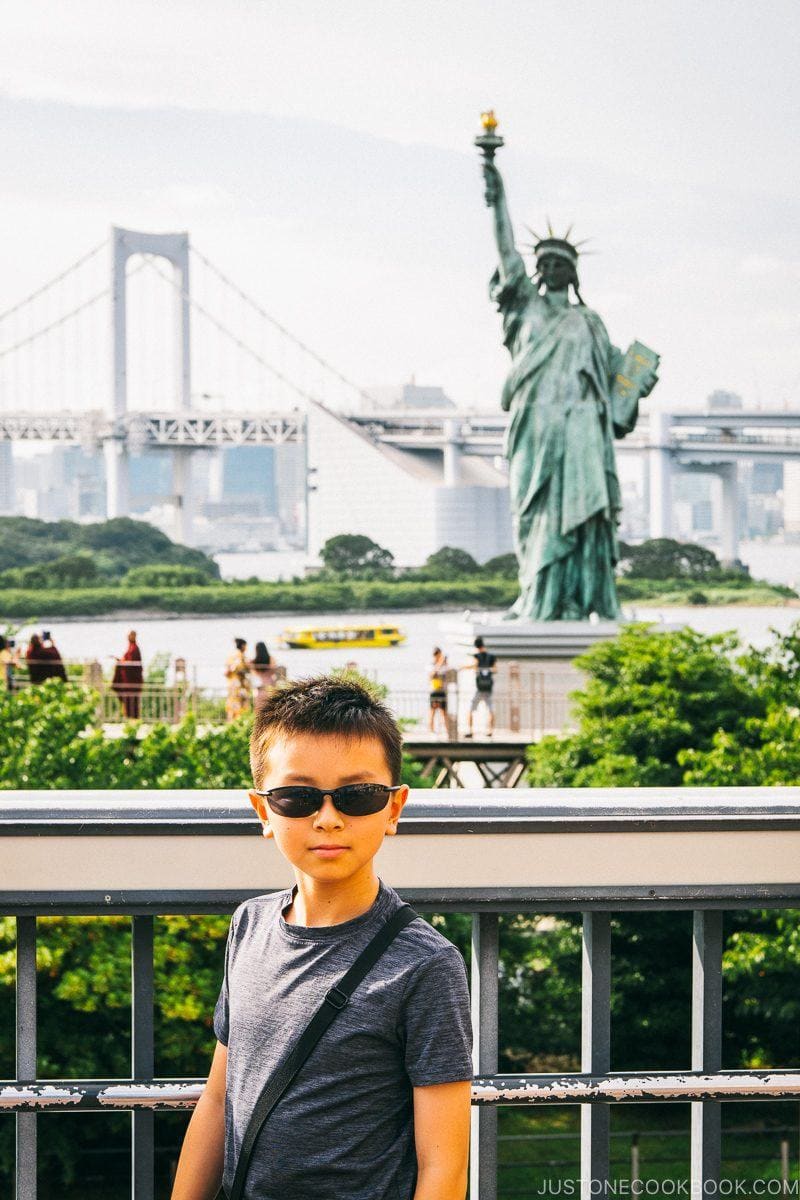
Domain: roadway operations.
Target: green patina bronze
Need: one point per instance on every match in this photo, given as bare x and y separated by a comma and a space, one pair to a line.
569, 393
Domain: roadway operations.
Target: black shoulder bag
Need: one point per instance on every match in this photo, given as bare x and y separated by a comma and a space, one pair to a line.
335, 1000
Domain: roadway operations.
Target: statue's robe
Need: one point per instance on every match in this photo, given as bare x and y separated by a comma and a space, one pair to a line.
565, 494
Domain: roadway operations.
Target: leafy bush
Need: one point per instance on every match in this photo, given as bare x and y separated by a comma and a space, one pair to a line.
167, 575
505, 565
317, 595
648, 697
71, 571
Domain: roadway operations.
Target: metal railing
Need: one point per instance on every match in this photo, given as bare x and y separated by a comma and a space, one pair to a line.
596, 852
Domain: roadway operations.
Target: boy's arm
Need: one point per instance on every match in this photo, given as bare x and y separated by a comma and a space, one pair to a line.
441, 1138
199, 1175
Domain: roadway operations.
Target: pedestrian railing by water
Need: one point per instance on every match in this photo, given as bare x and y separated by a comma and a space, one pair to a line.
597, 852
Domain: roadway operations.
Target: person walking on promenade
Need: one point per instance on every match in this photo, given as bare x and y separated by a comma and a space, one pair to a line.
264, 673
237, 671
54, 664
38, 667
484, 665
128, 679
438, 691
9, 661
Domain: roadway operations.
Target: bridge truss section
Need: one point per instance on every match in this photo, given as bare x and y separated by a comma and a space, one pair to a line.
142, 430
205, 431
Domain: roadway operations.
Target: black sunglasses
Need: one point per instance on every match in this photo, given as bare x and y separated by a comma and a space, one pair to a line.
354, 799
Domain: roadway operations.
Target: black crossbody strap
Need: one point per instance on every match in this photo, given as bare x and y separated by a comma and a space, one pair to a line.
335, 1000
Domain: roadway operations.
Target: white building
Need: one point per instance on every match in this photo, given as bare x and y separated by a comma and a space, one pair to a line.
399, 498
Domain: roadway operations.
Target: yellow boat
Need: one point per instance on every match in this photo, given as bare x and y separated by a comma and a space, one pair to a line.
337, 637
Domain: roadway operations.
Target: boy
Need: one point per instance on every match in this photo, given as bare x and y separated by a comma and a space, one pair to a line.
381, 1109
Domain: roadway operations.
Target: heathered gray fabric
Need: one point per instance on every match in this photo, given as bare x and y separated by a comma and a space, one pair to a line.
344, 1129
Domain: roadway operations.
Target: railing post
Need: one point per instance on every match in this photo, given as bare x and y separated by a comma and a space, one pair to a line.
595, 1049
706, 1159
26, 1055
143, 1055
485, 963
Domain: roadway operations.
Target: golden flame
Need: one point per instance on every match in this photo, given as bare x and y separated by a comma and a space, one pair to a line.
489, 121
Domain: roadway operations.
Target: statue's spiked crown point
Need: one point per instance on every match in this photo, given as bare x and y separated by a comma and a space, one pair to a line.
552, 244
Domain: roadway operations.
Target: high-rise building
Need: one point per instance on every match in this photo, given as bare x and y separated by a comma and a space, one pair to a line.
149, 478
290, 491
248, 474
7, 496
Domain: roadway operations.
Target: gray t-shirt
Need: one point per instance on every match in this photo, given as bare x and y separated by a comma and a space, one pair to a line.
344, 1129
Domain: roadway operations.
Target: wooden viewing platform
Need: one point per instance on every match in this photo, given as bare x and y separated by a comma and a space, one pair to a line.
499, 760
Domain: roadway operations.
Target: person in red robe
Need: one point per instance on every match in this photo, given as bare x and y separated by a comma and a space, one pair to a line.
53, 666
35, 660
129, 678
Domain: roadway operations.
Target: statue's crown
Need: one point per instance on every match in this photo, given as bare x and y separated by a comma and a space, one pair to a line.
551, 244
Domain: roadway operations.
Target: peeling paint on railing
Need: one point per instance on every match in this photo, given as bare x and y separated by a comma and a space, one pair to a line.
636, 1086
41, 1097
641, 1087
23, 1097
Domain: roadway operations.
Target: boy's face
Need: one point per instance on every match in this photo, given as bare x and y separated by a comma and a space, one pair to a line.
327, 762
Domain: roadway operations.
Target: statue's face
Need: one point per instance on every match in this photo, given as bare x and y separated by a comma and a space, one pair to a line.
555, 271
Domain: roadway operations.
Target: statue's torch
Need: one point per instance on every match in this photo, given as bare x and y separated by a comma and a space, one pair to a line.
489, 141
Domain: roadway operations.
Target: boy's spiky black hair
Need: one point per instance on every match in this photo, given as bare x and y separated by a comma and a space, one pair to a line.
328, 706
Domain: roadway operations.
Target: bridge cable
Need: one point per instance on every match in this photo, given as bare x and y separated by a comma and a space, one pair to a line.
57, 279
281, 328
55, 324
233, 337
64, 317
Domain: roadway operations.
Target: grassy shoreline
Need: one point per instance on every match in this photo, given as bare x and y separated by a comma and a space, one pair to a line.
313, 596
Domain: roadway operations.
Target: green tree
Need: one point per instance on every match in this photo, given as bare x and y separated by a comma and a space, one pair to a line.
450, 563
113, 546
356, 556
505, 565
665, 558
648, 696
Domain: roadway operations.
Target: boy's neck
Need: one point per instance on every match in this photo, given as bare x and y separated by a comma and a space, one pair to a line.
320, 904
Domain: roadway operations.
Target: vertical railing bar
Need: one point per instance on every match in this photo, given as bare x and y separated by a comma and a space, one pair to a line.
484, 992
706, 1126
142, 1055
595, 1049
25, 1185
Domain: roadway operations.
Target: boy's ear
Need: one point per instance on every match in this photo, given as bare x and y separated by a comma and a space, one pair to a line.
395, 809
260, 805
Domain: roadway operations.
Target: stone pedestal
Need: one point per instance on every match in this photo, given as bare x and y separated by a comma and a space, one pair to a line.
545, 642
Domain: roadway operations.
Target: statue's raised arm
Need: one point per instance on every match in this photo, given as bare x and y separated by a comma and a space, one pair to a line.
495, 193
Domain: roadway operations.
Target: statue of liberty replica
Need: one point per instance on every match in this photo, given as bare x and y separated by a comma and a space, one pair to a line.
569, 392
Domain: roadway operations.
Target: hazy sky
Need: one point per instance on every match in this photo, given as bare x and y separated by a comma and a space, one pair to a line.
321, 154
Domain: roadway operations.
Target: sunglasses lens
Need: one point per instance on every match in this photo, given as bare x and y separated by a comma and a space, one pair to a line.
294, 801
360, 799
